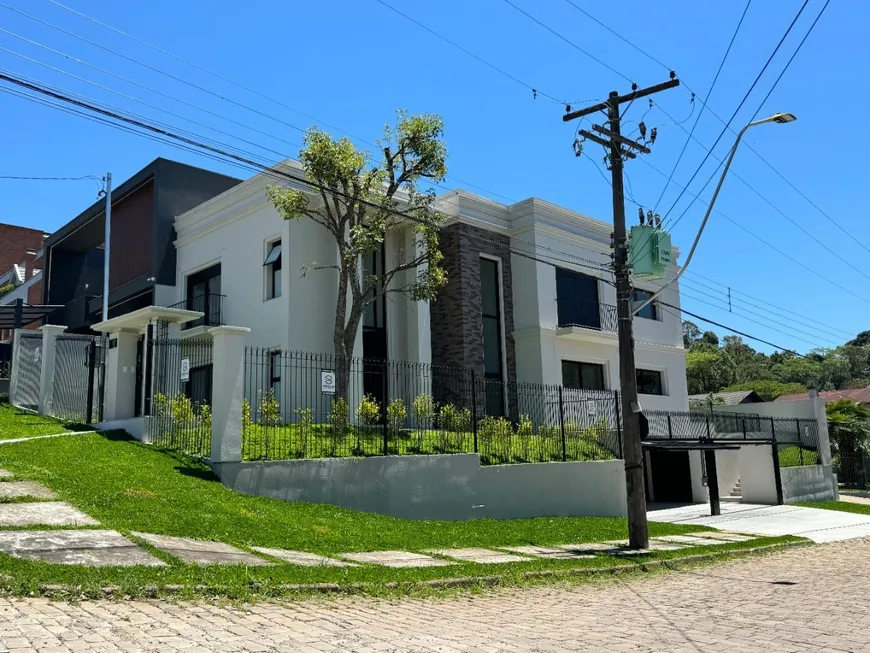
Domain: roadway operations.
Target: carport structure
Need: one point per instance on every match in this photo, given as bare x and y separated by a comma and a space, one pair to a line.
748, 447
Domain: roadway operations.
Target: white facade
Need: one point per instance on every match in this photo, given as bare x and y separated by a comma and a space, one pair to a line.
545, 237
237, 229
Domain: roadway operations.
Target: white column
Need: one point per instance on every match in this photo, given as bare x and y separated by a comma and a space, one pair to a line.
418, 322
46, 374
822, 419
227, 393
121, 376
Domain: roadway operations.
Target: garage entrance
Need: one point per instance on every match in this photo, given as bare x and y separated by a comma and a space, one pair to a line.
670, 476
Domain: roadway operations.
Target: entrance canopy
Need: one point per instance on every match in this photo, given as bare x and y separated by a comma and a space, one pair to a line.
15, 316
138, 320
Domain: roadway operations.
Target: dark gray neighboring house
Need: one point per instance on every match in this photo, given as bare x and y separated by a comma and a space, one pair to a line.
728, 398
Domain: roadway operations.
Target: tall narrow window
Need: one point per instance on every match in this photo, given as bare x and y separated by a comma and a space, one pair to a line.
273, 270
490, 295
275, 359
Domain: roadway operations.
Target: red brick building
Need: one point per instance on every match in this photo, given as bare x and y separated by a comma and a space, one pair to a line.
15, 242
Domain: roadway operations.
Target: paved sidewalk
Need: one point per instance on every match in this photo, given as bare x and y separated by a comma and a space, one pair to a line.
816, 524
806, 599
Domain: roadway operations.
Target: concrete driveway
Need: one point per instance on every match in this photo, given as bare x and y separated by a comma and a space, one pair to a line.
756, 519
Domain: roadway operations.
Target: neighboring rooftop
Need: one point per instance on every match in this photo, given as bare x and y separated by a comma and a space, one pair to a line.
730, 398
858, 395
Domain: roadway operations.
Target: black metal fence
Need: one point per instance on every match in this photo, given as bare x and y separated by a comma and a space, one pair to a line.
797, 440
301, 405
24, 382
181, 392
77, 385
5, 360
211, 305
851, 460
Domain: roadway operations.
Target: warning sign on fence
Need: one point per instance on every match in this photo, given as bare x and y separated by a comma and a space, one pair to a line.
185, 369
327, 381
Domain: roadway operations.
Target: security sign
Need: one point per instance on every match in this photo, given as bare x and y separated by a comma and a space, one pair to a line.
327, 382
185, 369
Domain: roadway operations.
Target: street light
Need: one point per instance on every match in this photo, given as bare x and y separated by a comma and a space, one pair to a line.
780, 118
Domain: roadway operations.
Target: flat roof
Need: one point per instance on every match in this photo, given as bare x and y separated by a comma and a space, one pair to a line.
28, 314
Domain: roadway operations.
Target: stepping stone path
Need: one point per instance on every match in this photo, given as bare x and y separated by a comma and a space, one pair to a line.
55, 513
200, 552
398, 559
692, 540
480, 556
728, 537
550, 553
93, 548
17, 489
102, 548
302, 558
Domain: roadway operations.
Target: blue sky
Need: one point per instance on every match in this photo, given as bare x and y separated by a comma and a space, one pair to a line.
351, 64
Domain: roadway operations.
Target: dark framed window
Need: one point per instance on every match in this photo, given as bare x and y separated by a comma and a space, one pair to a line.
577, 299
490, 305
198, 387
275, 359
583, 376
649, 382
204, 295
273, 270
651, 310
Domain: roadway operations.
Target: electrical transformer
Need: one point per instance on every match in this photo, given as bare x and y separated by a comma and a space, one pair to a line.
649, 251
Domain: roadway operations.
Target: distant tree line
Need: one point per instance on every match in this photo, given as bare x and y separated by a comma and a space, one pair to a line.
714, 365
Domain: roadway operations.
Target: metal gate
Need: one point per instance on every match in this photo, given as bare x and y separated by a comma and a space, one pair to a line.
77, 393
27, 358
851, 462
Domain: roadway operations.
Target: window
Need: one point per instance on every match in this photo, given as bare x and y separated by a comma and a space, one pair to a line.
651, 310
204, 295
490, 303
275, 373
649, 382
577, 299
273, 270
582, 376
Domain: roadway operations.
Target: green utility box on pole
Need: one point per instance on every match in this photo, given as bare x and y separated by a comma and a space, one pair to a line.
649, 251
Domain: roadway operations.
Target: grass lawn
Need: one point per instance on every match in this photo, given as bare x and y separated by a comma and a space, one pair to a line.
794, 456
317, 441
842, 506
17, 423
129, 486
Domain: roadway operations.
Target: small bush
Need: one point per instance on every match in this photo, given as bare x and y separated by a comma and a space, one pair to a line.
396, 416
369, 411
423, 410
305, 428
338, 420
246, 414
268, 408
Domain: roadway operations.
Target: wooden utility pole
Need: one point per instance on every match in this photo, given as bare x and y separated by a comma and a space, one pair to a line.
619, 148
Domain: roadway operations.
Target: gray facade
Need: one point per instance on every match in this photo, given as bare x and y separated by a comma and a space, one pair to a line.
457, 327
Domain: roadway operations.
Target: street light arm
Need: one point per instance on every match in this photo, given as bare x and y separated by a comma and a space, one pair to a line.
706, 216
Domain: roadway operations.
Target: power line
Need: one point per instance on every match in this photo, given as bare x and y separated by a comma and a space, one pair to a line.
49, 178
773, 247
703, 102
227, 80
566, 40
254, 164
739, 106
758, 308
775, 84
535, 91
749, 146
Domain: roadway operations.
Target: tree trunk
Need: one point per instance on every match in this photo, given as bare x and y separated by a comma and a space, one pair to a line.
342, 356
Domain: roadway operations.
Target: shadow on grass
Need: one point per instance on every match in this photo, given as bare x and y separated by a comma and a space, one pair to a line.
199, 473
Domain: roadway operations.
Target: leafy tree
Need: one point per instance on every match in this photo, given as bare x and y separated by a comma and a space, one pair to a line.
807, 372
357, 206
708, 369
861, 340
710, 338
691, 334
849, 432
768, 390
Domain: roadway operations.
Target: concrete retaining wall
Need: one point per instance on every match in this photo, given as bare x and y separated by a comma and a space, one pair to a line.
808, 483
445, 487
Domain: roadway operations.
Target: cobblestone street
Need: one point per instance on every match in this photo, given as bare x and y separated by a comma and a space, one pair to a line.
804, 599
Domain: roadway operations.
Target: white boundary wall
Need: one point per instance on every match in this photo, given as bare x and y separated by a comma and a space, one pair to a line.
444, 487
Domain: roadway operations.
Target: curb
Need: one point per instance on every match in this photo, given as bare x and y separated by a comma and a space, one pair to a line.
153, 591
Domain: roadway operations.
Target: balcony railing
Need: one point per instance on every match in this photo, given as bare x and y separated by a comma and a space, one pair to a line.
210, 305
579, 313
